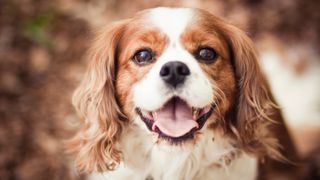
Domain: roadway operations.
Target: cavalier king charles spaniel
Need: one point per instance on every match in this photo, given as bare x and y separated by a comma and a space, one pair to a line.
177, 93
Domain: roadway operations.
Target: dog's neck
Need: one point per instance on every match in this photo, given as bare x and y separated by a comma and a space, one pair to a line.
145, 157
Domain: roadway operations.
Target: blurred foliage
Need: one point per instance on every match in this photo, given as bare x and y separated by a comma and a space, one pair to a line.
34, 29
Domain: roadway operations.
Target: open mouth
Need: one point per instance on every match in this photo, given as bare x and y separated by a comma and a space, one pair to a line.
176, 121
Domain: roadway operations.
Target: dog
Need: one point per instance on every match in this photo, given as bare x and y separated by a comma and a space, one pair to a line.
177, 93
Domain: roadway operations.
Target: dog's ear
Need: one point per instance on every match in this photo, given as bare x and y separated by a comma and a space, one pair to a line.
256, 110
95, 102
258, 122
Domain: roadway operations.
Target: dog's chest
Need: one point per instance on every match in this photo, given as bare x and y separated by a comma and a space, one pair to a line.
208, 159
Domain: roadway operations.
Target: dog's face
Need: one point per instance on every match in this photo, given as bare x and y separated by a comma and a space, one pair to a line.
172, 74
175, 73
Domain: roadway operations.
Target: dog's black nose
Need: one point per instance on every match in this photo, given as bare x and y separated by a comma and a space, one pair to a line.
174, 73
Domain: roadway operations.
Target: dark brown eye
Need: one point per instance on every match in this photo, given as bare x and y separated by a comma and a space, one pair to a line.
143, 56
206, 54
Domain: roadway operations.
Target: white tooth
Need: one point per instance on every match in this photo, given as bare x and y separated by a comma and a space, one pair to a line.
154, 114
195, 113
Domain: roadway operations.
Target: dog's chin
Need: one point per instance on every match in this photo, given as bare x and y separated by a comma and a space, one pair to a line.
175, 123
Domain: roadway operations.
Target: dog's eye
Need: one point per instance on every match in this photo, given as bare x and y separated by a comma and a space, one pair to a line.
143, 56
206, 54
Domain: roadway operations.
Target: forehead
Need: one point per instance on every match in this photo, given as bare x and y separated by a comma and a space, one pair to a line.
171, 21
172, 28
189, 28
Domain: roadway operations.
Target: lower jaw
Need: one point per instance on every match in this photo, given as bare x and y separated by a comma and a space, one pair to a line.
168, 143
175, 140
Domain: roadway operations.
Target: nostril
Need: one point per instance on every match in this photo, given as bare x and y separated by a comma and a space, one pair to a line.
183, 70
165, 71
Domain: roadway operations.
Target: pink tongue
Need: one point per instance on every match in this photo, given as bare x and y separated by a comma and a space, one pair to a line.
174, 119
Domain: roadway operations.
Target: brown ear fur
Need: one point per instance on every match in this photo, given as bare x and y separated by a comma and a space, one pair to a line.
97, 107
256, 108
259, 122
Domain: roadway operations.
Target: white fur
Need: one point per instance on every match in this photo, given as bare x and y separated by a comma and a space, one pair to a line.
171, 21
143, 158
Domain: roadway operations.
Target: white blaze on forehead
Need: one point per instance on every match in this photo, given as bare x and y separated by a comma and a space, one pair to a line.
171, 21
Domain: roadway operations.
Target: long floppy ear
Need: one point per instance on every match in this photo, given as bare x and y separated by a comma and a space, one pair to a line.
94, 100
256, 110
258, 121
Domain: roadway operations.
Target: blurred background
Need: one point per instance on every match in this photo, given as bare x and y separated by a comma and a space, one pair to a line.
42, 59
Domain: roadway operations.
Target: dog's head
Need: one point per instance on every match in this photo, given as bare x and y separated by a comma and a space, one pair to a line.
174, 73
